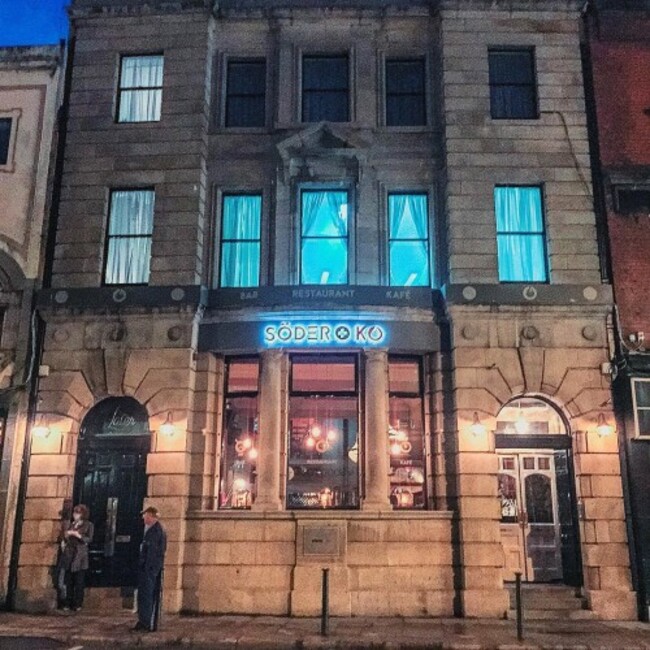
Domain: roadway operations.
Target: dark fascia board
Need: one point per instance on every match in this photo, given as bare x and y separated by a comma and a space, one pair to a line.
620, 5
513, 5
82, 8
266, 5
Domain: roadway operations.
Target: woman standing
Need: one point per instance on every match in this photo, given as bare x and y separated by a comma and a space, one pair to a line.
76, 536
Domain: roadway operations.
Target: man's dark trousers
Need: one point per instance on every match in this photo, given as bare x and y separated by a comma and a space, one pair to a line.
148, 597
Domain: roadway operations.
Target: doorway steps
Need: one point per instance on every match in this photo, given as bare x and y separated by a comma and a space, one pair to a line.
108, 599
543, 602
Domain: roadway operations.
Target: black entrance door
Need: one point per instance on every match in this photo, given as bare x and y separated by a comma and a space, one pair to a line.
111, 480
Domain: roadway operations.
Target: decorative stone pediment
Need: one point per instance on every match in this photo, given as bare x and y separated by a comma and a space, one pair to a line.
320, 151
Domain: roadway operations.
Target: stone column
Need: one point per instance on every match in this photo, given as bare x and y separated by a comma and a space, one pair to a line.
376, 448
269, 435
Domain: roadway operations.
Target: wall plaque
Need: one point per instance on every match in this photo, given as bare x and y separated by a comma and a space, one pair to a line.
321, 540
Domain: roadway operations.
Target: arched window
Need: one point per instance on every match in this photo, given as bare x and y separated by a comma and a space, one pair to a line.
527, 416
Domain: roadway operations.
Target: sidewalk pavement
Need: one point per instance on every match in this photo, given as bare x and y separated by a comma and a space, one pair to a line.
275, 633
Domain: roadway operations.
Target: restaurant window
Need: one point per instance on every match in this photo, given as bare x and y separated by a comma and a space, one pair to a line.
323, 465
325, 89
5, 138
513, 90
406, 433
405, 92
130, 225
408, 243
521, 237
238, 485
324, 237
641, 399
246, 93
241, 218
140, 89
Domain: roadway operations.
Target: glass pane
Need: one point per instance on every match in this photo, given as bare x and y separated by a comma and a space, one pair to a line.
643, 418
315, 375
324, 213
404, 376
323, 467
530, 416
128, 260
243, 376
513, 102
521, 258
246, 78
5, 134
539, 499
642, 393
324, 261
511, 67
508, 463
544, 463
518, 209
406, 76
405, 110
325, 73
131, 212
508, 498
408, 216
406, 446
529, 463
240, 264
238, 476
330, 106
242, 216
141, 72
409, 264
140, 105
245, 111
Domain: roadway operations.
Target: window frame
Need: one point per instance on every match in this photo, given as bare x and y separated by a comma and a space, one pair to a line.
227, 61
619, 188
119, 89
531, 51
422, 58
326, 187
111, 191
347, 55
543, 233
217, 271
10, 132
389, 239
636, 408
14, 116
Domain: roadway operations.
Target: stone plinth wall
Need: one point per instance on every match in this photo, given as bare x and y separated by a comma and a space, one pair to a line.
384, 565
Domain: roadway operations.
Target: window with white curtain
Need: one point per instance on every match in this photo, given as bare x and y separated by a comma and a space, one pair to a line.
521, 238
140, 88
324, 237
130, 225
408, 239
241, 219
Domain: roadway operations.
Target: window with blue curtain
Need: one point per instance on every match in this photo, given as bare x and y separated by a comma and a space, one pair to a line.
140, 89
130, 225
241, 227
325, 89
408, 240
324, 237
521, 239
513, 90
246, 93
405, 97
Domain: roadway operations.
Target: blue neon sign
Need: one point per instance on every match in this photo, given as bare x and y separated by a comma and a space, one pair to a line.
318, 334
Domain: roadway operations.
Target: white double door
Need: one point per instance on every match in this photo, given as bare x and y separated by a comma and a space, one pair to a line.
530, 525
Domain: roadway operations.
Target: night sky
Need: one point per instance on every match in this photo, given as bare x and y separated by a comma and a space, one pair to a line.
32, 22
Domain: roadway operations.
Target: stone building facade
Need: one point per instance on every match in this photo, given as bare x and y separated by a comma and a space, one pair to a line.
30, 93
619, 47
359, 321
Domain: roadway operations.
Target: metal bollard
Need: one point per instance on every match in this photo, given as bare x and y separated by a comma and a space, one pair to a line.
520, 621
325, 608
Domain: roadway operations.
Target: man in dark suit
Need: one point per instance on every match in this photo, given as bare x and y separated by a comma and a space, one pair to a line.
150, 567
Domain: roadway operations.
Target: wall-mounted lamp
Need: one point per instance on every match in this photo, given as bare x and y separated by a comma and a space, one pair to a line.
477, 428
41, 430
603, 428
168, 428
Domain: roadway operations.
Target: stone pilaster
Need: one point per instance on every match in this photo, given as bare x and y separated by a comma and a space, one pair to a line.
376, 456
270, 430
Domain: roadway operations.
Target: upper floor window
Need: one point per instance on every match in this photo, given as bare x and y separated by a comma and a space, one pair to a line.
521, 239
325, 89
130, 225
140, 90
405, 92
324, 237
513, 90
240, 240
237, 485
408, 239
632, 199
246, 93
5, 137
641, 400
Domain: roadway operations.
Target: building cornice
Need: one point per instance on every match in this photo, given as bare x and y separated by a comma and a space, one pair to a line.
35, 57
89, 8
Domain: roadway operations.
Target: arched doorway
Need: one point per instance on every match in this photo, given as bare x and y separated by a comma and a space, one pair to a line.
537, 493
111, 480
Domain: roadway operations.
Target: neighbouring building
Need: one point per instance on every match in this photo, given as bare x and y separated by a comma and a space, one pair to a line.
326, 289
30, 94
619, 47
